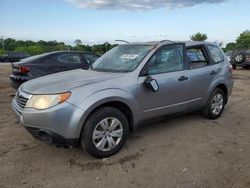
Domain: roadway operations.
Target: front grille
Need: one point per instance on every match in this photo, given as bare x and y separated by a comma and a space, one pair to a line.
21, 100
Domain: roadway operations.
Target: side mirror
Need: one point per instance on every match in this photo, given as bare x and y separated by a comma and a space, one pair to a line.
151, 84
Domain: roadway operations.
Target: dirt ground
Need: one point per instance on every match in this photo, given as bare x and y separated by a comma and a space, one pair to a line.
187, 151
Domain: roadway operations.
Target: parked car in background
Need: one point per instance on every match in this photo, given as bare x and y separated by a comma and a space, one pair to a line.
128, 85
228, 55
13, 56
49, 63
240, 58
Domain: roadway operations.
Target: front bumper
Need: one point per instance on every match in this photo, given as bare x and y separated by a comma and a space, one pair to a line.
51, 137
60, 124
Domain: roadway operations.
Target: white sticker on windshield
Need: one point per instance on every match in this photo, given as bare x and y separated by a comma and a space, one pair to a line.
129, 56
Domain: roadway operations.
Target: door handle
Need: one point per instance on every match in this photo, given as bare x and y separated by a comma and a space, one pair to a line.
213, 73
183, 78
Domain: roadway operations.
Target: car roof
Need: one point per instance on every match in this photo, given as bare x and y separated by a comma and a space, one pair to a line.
83, 52
149, 43
195, 43
154, 43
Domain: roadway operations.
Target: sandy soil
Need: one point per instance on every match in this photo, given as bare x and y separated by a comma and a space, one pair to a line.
188, 151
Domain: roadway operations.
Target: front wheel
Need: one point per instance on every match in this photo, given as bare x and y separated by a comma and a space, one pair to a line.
105, 132
215, 105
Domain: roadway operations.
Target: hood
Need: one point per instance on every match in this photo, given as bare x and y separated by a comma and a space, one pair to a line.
65, 81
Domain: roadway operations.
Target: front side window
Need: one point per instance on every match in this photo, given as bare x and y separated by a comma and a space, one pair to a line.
167, 59
216, 53
123, 58
69, 58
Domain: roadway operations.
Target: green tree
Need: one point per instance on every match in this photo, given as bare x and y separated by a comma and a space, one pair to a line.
198, 37
243, 41
230, 46
78, 42
9, 44
32, 50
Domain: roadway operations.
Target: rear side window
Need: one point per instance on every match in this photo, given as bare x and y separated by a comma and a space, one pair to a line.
91, 58
69, 58
216, 54
196, 58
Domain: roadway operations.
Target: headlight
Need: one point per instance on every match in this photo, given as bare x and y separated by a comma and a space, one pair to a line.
46, 101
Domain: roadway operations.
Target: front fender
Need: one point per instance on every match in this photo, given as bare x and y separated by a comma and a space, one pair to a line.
109, 95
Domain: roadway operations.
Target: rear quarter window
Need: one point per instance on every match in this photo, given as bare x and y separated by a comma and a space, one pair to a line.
216, 54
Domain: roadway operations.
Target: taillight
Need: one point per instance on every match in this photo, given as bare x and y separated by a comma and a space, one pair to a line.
23, 69
230, 68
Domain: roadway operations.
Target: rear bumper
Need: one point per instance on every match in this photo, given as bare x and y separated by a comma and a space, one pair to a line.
16, 81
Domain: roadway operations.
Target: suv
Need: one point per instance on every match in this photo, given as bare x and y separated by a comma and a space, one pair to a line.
13, 56
126, 86
241, 58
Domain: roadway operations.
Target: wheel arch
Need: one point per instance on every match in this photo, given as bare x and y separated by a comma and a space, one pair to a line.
223, 87
123, 107
126, 106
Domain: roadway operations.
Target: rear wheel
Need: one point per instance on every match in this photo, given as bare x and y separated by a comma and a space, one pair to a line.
215, 104
105, 132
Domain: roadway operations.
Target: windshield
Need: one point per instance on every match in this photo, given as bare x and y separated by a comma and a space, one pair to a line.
124, 58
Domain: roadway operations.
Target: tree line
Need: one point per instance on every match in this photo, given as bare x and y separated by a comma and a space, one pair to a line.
41, 46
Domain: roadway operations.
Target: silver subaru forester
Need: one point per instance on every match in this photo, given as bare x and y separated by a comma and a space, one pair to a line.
129, 84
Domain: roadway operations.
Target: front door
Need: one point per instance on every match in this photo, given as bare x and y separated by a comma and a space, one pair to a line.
166, 66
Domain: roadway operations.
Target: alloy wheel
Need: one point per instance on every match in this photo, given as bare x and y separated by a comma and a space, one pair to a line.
107, 134
217, 104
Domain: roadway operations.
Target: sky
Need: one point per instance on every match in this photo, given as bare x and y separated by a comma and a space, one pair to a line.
97, 21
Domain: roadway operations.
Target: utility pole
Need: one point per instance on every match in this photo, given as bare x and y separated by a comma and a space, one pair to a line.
2, 39
106, 44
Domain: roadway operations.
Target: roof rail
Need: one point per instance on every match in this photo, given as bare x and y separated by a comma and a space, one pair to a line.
122, 41
166, 41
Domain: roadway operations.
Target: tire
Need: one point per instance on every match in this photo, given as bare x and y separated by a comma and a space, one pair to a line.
239, 57
109, 142
215, 112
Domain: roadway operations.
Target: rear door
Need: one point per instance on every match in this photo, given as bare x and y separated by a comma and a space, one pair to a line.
202, 71
69, 61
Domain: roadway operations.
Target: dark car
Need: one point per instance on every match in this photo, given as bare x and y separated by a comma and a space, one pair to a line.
49, 63
240, 58
13, 56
